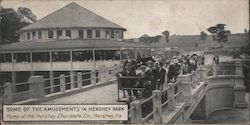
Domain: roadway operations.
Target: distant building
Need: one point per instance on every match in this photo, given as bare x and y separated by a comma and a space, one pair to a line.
70, 40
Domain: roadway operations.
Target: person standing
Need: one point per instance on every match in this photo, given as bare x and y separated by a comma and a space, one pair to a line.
128, 82
161, 76
151, 77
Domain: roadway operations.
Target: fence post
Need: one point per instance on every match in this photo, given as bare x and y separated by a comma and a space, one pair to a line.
72, 79
136, 114
171, 105
79, 79
185, 86
93, 77
203, 73
36, 84
215, 73
239, 68
7, 93
62, 83
157, 105
193, 79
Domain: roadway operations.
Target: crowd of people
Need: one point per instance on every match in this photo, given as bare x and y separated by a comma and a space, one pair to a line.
151, 75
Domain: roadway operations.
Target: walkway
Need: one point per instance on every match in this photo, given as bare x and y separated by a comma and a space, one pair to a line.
101, 95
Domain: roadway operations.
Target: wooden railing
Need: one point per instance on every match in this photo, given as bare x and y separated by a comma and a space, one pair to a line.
37, 86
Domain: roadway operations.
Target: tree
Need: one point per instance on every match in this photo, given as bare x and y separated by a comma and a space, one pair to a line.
10, 23
166, 34
219, 33
203, 35
26, 12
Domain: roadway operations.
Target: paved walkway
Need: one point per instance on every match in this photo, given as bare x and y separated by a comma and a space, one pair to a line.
102, 95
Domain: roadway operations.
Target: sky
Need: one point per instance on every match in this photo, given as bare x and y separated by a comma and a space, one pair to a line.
152, 17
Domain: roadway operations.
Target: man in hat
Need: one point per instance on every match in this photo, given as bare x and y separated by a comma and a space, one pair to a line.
161, 76
151, 76
128, 82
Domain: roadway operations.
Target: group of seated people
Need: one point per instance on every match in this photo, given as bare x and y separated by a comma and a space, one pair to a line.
140, 79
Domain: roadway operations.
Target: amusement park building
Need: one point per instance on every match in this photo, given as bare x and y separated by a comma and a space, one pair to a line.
70, 40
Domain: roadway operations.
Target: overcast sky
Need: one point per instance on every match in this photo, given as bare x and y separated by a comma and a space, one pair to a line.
183, 17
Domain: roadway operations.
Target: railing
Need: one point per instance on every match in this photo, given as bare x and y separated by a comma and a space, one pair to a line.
63, 83
152, 107
166, 99
177, 92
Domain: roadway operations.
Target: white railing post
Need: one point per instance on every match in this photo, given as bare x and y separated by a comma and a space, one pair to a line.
79, 79
185, 86
170, 91
7, 93
157, 105
62, 83
93, 77
72, 73
203, 73
36, 84
239, 68
193, 79
215, 68
136, 113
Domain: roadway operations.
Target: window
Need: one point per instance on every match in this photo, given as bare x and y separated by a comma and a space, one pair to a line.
107, 55
58, 33
22, 57
89, 33
39, 35
117, 34
5, 58
97, 33
68, 33
82, 55
107, 34
28, 35
50, 34
61, 56
33, 35
40, 57
80, 33
112, 34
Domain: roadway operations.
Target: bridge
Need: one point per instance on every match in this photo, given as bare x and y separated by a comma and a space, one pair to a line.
193, 98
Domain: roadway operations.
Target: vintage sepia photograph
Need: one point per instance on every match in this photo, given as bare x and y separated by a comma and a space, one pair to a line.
124, 62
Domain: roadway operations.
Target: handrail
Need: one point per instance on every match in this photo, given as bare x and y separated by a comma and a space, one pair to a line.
20, 93
149, 115
177, 82
85, 73
54, 86
175, 95
21, 83
133, 88
48, 87
84, 80
147, 99
162, 105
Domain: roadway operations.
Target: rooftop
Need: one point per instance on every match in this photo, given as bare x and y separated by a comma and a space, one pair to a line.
70, 44
72, 16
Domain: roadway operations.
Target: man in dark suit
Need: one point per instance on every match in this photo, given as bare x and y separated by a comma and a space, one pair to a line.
161, 76
151, 76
